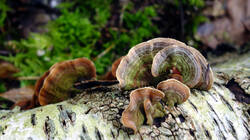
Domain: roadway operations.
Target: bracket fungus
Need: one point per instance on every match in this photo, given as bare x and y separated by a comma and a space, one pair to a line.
175, 91
147, 98
115, 66
57, 83
207, 80
159, 59
180, 58
134, 69
111, 75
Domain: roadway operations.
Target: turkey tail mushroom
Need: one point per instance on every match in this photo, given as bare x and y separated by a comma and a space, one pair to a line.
207, 80
174, 60
57, 83
132, 116
115, 66
175, 91
135, 68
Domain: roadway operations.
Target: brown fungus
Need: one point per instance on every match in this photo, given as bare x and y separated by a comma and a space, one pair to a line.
115, 66
206, 80
57, 83
174, 60
175, 91
147, 98
111, 75
134, 69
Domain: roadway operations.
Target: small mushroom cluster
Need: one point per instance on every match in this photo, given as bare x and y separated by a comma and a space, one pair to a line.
168, 64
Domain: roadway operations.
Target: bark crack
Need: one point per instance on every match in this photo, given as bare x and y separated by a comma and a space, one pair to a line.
239, 93
49, 128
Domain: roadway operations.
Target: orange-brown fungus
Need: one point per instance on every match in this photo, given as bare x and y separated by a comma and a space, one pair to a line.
115, 65
57, 83
175, 91
132, 116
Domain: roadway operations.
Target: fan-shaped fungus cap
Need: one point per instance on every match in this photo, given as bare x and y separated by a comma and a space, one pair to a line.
174, 60
132, 116
115, 66
175, 91
57, 84
161, 43
207, 80
135, 68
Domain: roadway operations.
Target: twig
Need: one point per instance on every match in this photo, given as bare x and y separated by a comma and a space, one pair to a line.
104, 52
29, 78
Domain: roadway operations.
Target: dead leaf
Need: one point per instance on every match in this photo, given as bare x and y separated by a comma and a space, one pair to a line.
20, 94
7, 70
230, 28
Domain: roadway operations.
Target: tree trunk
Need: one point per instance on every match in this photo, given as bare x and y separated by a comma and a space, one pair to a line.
220, 113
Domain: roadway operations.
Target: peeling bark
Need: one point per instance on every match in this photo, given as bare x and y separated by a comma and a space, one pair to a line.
96, 113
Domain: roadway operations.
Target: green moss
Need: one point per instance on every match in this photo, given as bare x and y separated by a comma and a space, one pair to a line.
4, 8
77, 33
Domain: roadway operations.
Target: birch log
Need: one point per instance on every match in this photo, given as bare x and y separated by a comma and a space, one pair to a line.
220, 113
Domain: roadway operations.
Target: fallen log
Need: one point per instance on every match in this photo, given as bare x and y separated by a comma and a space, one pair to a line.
220, 113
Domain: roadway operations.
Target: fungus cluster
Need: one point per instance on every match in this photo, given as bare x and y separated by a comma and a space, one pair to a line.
159, 59
171, 66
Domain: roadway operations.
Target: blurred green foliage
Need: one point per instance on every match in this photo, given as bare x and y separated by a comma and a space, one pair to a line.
195, 3
193, 19
4, 8
76, 32
2, 88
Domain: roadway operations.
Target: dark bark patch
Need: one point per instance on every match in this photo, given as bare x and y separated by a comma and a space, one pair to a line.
245, 124
220, 132
232, 128
207, 134
158, 121
120, 110
226, 103
33, 119
212, 109
8, 115
98, 134
49, 128
66, 117
191, 132
112, 133
2, 130
202, 93
195, 108
239, 93
84, 135
211, 94
100, 89
87, 111
182, 118
92, 83
218, 85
